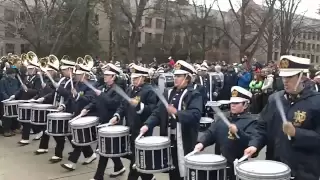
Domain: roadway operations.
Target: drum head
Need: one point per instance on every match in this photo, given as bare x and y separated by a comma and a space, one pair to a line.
206, 159
263, 168
206, 120
213, 104
114, 129
85, 121
13, 102
224, 102
153, 140
26, 105
60, 115
42, 106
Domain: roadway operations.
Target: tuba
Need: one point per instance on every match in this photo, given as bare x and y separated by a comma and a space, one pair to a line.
24, 59
53, 62
89, 62
32, 58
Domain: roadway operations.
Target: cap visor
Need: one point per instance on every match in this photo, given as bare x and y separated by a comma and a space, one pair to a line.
286, 73
180, 72
237, 100
108, 73
65, 67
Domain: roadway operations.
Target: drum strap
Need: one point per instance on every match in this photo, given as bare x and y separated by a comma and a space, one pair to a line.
56, 94
180, 141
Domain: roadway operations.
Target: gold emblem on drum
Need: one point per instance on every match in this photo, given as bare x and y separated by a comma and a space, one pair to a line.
231, 135
234, 93
284, 63
299, 118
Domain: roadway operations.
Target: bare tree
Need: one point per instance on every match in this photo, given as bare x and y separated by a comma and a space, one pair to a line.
247, 42
290, 24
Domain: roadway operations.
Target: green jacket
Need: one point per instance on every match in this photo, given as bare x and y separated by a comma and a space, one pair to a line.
254, 85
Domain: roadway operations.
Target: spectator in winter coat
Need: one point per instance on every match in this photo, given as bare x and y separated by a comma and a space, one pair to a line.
244, 78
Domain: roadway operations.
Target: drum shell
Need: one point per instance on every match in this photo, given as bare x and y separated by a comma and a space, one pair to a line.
205, 123
114, 146
24, 113
153, 161
246, 175
84, 135
10, 109
153, 147
39, 113
58, 124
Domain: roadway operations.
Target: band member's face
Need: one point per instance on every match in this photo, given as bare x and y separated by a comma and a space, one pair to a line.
66, 72
137, 81
179, 80
108, 79
202, 73
237, 108
79, 77
290, 83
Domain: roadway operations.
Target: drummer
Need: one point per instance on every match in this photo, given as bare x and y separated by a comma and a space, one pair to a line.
106, 104
143, 102
186, 106
242, 123
301, 105
82, 95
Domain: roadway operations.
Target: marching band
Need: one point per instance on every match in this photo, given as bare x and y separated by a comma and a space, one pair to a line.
118, 110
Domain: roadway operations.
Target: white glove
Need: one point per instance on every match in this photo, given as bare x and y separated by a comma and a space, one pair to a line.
84, 112
215, 94
113, 120
12, 97
40, 100
60, 108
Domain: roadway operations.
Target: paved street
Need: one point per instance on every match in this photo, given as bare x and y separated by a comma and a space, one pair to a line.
20, 163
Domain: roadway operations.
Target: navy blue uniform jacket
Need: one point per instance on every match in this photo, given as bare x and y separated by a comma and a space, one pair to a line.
189, 118
302, 153
231, 147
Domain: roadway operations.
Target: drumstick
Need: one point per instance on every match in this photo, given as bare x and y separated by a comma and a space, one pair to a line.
41, 78
243, 158
6, 100
140, 135
118, 90
281, 111
75, 118
237, 161
104, 125
51, 79
162, 99
190, 154
22, 84
71, 80
89, 85
224, 118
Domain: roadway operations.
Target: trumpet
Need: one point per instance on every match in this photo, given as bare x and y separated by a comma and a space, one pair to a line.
32, 58
43, 62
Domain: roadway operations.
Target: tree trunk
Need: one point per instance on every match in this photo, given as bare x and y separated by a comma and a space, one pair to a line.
270, 42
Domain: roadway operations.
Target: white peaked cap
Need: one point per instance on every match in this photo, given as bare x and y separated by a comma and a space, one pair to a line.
138, 71
239, 94
182, 67
111, 69
292, 65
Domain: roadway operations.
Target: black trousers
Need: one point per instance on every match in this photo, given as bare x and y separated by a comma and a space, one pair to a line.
103, 162
133, 173
60, 141
26, 130
75, 154
10, 124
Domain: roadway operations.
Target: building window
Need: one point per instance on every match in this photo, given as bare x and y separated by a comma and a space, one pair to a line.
309, 47
148, 22
303, 56
309, 35
9, 15
159, 23
299, 45
276, 55
293, 54
308, 56
158, 38
25, 48
304, 46
317, 59
314, 36
10, 48
298, 55
305, 35
312, 58
10, 31
318, 47
313, 46
148, 37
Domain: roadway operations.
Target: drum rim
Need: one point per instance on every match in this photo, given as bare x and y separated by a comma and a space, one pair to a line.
246, 174
105, 133
194, 163
42, 105
53, 116
95, 122
143, 145
206, 119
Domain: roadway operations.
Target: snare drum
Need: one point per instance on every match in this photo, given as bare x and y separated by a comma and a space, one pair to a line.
205, 123
58, 124
10, 108
206, 166
153, 154
39, 113
225, 105
262, 170
114, 141
84, 130
24, 112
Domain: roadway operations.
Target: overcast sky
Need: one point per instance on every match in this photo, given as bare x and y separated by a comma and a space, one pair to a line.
309, 7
